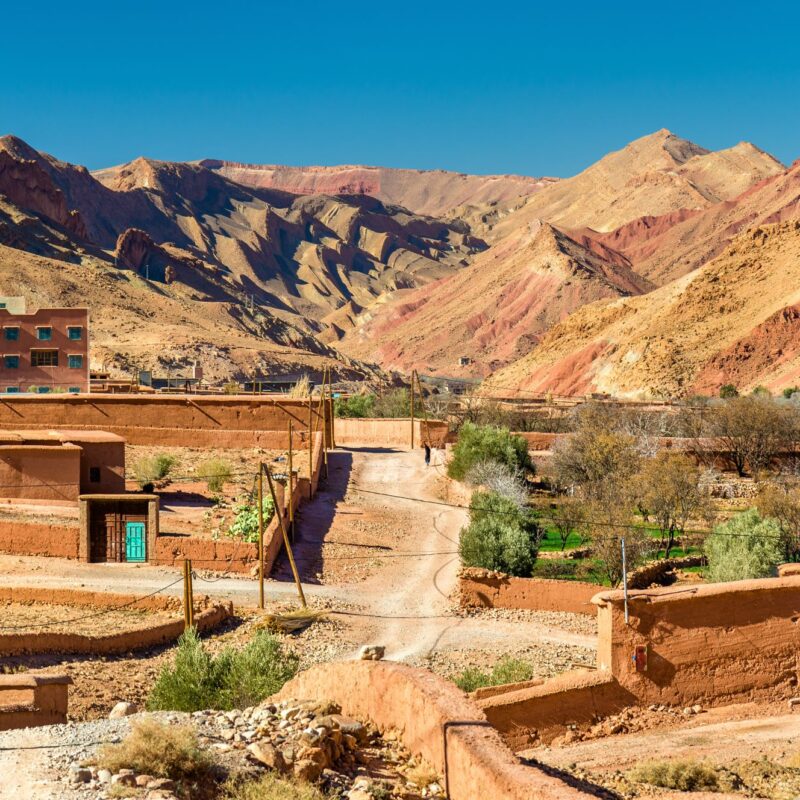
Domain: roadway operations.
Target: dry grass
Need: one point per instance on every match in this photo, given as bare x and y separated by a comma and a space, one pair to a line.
422, 775
271, 787
685, 776
164, 751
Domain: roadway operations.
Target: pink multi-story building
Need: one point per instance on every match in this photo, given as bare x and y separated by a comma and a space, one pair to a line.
45, 350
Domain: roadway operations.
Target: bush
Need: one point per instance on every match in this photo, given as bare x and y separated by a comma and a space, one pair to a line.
728, 391
359, 405
234, 679
478, 443
500, 478
500, 536
746, 546
507, 670
216, 472
157, 749
685, 776
270, 787
245, 524
153, 468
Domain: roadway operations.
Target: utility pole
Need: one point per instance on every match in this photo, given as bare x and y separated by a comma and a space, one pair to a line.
286, 542
413, 373
261, 534
310, 447
625, 578
291, 487
324, 423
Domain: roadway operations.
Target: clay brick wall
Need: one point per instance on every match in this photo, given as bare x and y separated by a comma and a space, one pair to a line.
480, 588
382, 432
39, 539
50, 473
169, 420
437, 722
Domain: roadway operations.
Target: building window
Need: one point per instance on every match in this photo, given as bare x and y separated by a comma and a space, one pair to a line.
12, 389
43, 389
75, 362
44, 334
11, 362
75, 333
94, 474
74, 389
11, 334
44, 358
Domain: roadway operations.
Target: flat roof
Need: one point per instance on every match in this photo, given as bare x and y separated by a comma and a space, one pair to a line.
60, 436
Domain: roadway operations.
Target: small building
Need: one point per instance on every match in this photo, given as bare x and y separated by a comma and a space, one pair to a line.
118, 527
172, 382
58, 466
43, 351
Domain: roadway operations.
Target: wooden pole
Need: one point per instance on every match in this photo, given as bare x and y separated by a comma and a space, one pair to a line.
425, 428
191, 595
291, 486
188, 595
286, 542
413, 373
261, 535
324, 423
310, 448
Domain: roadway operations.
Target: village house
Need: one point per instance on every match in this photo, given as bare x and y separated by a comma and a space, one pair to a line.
43, 351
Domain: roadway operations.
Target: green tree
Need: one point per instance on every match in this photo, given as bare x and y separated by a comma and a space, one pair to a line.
480, 443
355, 406
744, 547
727, 391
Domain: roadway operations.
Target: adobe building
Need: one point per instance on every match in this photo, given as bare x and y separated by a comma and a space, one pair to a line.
43, 351
59, 466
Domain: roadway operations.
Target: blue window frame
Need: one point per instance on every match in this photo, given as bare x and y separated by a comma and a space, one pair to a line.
74, 390
44, 334
75, 333
12, 389
11, 334
11, 362
43, 390
75, 362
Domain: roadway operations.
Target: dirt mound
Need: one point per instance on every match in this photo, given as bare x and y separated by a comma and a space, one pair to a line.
430, 192
690, 331
493, 311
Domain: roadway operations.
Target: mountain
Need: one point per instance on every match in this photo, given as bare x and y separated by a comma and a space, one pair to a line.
272, 263
434, 193
493, 311
735, 319
500, 307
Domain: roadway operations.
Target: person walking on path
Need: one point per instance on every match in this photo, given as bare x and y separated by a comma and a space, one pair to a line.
427, 454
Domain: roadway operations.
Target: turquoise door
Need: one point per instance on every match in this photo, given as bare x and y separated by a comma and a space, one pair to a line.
135, 541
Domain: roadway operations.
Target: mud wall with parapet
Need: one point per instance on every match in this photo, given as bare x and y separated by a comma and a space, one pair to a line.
389, 432
437, 722
50, 473
208, 614
169, 420
39, 539
481, 588
708, 645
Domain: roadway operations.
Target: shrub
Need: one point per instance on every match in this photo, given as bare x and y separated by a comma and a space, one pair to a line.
478, 443
500, 536
359, 405
270, 787
153, 468
216, 472
234, 679
507, 670
245, 524
157, 749
301, 389
746, 546
727, 391
789, 391
231, 387
685, 776
500, 478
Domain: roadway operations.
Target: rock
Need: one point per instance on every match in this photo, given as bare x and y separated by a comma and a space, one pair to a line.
81, 775
162, 785
122, 709
144, 780
123, 780
372, 652
269, 756
359, 794
347, 725
104, 776
307, 770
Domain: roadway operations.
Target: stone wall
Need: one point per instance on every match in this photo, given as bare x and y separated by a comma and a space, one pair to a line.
389, 432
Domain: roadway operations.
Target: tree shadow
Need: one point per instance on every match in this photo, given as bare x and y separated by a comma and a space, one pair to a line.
314, 520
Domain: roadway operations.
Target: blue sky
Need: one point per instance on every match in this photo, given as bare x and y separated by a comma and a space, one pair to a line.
532, 88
